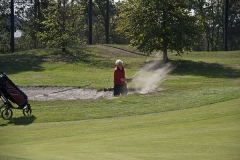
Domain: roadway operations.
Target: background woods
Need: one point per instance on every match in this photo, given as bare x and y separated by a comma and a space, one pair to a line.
64, 23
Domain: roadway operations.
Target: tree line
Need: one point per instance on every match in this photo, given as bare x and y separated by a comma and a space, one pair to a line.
181, 25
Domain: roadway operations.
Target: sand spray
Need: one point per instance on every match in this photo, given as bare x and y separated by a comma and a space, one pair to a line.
148, 78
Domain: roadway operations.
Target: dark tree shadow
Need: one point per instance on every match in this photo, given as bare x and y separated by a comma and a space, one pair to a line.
211, 70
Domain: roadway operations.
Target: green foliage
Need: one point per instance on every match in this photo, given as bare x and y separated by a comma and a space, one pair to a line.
234, 25
20, 18
159, 25
99, 22
62, 25
4, 27
212, 14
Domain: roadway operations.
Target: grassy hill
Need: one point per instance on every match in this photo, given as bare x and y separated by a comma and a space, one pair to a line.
194, 113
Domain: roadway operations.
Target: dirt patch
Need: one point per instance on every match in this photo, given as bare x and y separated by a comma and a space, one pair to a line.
63, 93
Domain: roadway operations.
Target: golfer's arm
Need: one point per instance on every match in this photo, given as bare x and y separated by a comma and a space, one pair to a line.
125, 79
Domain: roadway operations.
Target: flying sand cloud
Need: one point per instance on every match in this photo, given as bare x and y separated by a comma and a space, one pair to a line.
148, 78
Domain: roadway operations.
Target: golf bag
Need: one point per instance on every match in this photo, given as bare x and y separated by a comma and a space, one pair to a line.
10, 91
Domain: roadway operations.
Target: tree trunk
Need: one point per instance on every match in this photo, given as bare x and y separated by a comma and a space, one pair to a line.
63, 49
165, 56
165, 38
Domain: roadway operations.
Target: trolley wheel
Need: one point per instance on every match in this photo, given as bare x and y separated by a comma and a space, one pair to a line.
27, 111
6, 113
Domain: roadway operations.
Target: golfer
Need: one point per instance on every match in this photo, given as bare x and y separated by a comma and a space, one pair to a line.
120, 86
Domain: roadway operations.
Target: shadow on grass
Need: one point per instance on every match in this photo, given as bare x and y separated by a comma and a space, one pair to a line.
21, 121
13, 63
10, 157
211, 70
78, 55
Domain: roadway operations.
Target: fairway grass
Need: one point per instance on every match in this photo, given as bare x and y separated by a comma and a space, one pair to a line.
209, 132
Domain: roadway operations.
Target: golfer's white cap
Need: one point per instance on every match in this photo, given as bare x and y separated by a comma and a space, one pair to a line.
118, 62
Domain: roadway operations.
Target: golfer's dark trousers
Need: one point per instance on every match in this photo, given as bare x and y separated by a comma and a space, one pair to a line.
119, 89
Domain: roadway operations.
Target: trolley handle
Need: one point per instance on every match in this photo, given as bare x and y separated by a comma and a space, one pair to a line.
1, 73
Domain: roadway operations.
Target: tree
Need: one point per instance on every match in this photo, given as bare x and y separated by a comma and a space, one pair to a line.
100, 21
5, 21
61, 25
212, 16
159, 25
4, 27
234, 24
116, 35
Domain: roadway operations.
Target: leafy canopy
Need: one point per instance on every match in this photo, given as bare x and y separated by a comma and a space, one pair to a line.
62, 24
159, 25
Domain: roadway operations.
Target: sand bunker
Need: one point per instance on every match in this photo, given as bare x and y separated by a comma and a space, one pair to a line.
63, 93
146, 80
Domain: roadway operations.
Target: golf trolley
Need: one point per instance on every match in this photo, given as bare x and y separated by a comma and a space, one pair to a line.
10, 92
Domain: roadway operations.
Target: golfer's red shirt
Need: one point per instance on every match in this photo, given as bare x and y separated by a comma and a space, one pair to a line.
118, 74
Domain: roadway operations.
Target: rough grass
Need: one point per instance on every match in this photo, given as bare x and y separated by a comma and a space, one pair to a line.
86, 66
